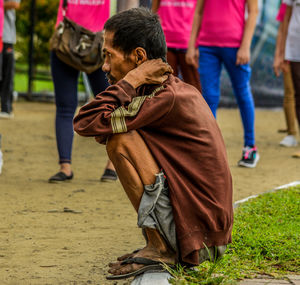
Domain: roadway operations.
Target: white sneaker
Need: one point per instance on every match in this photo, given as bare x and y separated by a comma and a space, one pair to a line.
289, 141
5, 115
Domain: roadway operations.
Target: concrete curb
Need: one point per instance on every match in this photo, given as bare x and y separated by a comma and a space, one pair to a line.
262, 280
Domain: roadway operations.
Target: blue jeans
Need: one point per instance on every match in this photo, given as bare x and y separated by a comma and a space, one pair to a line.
210, 64
65, 79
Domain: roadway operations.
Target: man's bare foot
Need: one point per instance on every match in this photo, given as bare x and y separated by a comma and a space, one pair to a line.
122, 258
125, 256
118, 268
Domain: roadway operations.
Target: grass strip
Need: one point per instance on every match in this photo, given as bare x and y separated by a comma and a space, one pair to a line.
266, 240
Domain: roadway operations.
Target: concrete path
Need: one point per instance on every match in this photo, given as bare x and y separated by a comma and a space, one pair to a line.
157, 278
291, 279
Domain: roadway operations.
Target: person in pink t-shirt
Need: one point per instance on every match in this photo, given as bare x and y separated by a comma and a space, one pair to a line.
1, 23
223, 37
1, 33
91, 14
289, 92
176, 20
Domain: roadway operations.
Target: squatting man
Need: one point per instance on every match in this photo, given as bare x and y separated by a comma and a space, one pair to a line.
166, 146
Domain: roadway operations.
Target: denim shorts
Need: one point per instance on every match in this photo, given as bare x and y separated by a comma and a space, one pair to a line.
156, 212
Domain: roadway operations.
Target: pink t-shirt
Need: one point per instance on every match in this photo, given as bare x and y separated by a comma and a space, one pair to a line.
281, 13
1, 18
222, 23
176, 20
91, 14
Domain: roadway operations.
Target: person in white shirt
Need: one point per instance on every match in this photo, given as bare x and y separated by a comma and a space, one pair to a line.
291, 43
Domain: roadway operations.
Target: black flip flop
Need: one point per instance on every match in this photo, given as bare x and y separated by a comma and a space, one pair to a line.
149, 265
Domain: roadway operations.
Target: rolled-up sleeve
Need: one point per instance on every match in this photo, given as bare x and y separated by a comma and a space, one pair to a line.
119, 109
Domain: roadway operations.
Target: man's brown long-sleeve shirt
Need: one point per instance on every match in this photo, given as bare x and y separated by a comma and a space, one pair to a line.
184, 138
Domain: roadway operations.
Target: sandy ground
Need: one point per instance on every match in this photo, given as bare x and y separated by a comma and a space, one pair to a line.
40, 243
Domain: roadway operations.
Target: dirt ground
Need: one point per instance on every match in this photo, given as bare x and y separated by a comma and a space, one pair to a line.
41, 243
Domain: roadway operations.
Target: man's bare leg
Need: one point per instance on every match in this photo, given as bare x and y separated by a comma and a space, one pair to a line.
136, 167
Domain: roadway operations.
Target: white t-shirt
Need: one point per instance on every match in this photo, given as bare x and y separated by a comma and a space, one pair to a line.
9, 28
292, 48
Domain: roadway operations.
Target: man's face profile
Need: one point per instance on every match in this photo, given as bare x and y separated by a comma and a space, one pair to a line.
116, 65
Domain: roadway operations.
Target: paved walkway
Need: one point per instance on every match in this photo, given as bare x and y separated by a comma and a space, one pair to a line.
291, 279
161, 278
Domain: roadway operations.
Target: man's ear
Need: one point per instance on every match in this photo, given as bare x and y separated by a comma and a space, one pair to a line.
140, 55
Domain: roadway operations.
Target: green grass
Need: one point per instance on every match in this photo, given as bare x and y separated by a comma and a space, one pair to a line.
266, 240
21, 84
21, 80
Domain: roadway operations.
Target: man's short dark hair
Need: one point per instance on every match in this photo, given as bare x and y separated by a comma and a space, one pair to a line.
138, 27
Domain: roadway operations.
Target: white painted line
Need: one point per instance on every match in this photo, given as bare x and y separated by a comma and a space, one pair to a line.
292, 184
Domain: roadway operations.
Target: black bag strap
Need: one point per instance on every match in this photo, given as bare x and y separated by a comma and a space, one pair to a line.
65, 4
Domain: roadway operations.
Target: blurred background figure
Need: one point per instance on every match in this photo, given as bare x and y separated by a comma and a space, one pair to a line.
128, 4
224, 38
1, 155
1, 28
92, 15
124, 5
176, 21
289, 93
8, 60
145, 3
291, 47
1, 49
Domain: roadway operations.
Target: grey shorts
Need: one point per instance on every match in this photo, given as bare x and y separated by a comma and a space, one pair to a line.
155, 212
